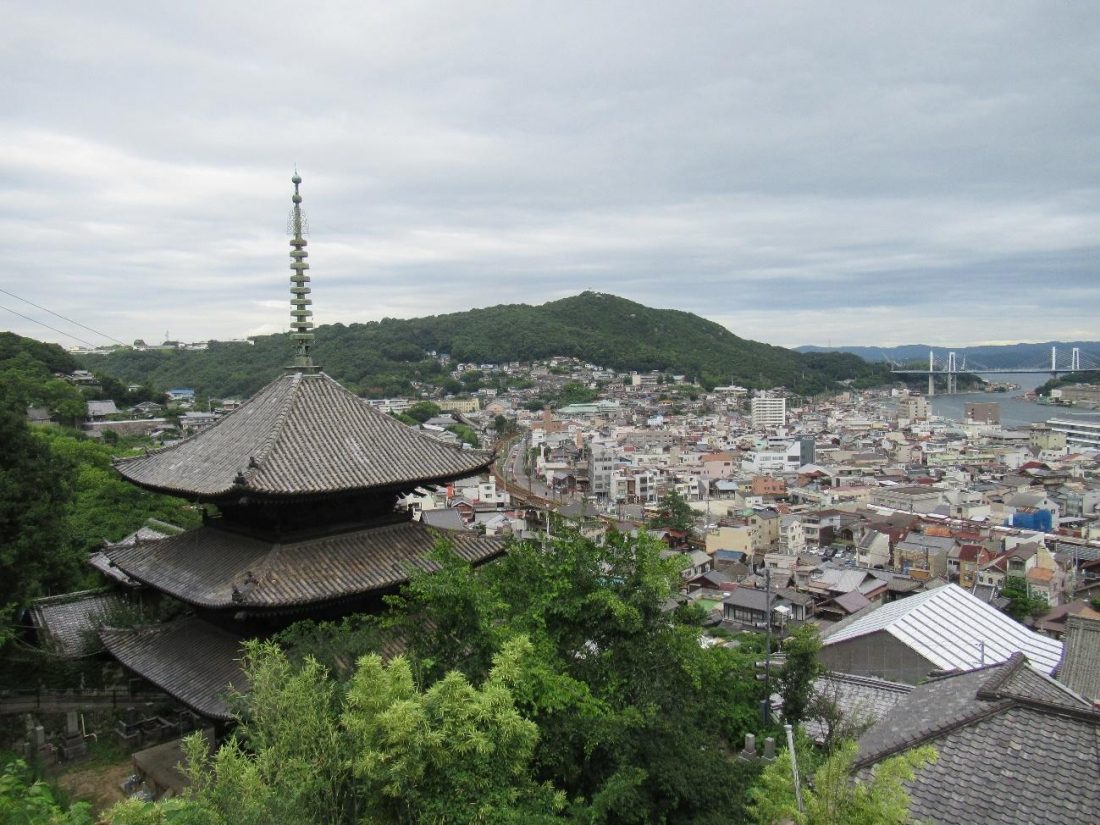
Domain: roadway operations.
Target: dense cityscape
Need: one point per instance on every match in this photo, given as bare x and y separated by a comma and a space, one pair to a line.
684, 414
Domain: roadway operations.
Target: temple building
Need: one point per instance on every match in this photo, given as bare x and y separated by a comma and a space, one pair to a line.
299, 486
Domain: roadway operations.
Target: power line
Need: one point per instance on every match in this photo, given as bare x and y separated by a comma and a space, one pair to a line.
47, 326
63, 318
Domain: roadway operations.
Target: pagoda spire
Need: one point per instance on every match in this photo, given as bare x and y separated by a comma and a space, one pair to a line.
301, 332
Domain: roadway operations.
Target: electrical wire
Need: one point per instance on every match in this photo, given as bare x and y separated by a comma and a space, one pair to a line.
47, 326
63, 318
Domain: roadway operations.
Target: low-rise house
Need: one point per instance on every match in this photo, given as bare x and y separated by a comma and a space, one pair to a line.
971, 558
921, 555
873, 549
829, 582
942, 629
734, 563
751, 607
907, 499
711, 580
1080, 666
99, 410
1012, 745
859, 702
792, 539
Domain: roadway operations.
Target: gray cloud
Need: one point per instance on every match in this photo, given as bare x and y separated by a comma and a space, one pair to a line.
801, 172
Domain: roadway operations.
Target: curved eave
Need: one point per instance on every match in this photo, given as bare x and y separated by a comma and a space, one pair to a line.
313, 576
237, 490
192, 661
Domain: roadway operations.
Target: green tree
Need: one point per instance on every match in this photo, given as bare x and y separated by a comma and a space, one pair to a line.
465, 434
504, 426
834, 796
800, 669
103, 505
452, 753
1021, 603
631, 709
423, 410
35, 488
674, 513
575, 393
27, 801
383, 751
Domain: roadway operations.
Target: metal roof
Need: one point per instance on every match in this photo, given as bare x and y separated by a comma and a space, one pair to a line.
949, 627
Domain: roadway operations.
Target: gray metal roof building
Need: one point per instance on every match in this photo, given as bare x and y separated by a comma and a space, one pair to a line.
942, 629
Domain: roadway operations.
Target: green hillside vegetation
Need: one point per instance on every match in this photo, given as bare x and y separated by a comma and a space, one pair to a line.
1068, 380
59, 496
381, 358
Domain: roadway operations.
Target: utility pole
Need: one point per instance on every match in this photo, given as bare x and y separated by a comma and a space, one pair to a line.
768, 645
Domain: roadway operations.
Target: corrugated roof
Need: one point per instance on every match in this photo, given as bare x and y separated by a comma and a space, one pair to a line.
216, 568
947, 626
301, 435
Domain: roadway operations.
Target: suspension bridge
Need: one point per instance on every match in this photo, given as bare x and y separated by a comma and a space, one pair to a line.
949, 368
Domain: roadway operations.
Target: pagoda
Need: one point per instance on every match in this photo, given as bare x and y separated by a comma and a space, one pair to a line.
300, 484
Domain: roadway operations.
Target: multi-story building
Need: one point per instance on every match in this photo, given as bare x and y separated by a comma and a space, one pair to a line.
913, 408
1045, 437
1078, 432
983, 412
601, 468
768, 411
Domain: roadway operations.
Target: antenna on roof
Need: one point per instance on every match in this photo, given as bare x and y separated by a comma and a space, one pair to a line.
302, 327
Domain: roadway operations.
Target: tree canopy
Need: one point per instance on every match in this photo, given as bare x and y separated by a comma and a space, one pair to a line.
833, 796
551, 685
383, 358
673, 512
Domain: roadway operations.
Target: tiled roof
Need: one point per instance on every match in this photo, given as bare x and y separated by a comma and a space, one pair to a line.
853, 601
1080, 666
217, 568
953, 629
1012, 746
65, 621
301, 435
861, 700
190, 659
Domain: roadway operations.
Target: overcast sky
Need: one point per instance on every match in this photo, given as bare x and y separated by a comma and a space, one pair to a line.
818, 172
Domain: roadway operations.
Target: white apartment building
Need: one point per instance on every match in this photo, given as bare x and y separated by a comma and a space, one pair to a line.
768, 411
782, 460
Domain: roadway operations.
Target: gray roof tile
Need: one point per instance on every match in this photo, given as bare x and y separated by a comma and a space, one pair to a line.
188, 658
301, 435
1013, 746
1080, 665
65, 621
216, 568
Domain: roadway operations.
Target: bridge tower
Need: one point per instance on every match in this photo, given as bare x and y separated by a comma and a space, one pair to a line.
1054, 361
931, 374
1075, 359
952, 374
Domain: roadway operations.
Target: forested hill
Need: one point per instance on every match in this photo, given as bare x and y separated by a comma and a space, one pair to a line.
379, 358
